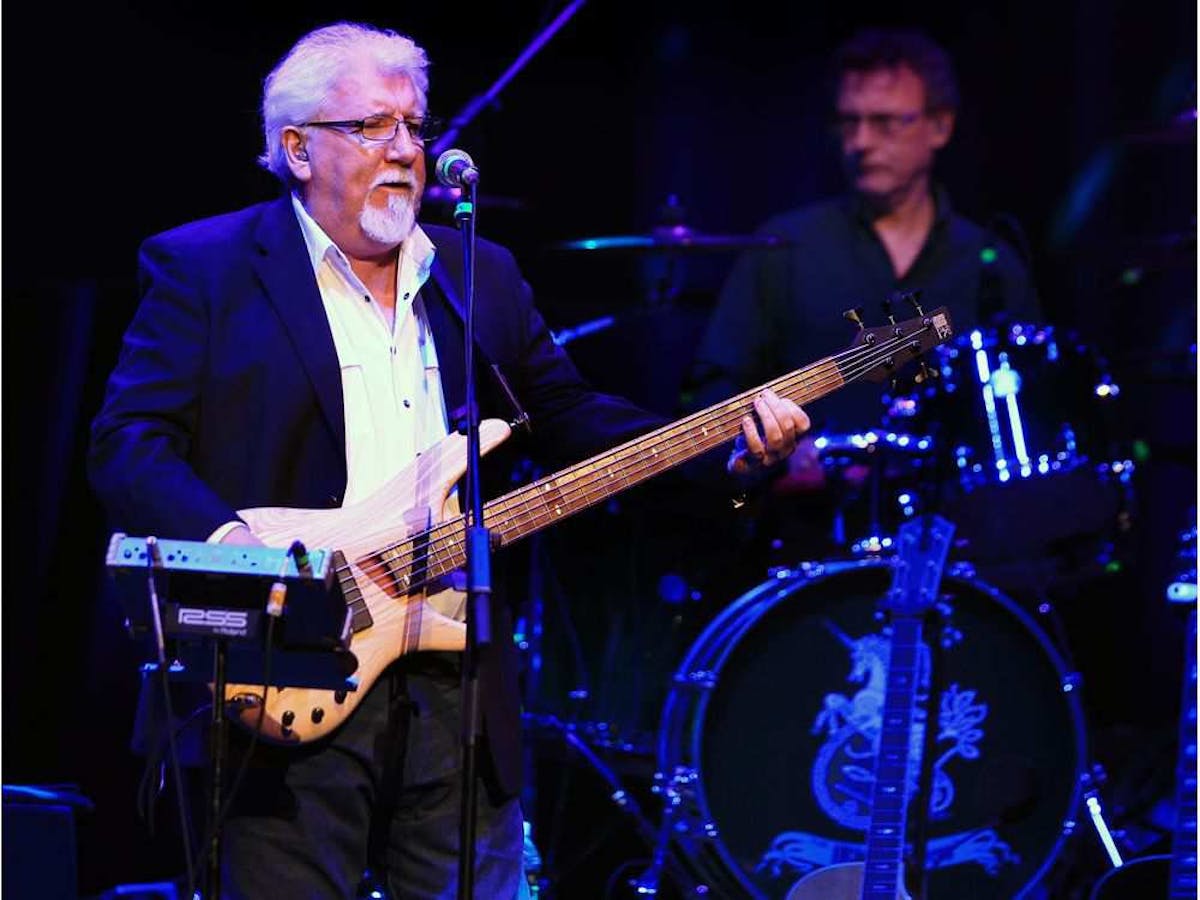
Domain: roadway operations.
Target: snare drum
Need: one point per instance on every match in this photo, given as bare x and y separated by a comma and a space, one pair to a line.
766, 748
876, 477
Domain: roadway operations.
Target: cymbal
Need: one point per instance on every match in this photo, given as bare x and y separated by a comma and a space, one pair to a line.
673, 239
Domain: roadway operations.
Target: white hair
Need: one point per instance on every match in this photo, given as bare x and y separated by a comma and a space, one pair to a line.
297, 86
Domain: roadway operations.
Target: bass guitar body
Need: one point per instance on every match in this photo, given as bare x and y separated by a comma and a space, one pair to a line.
841, 882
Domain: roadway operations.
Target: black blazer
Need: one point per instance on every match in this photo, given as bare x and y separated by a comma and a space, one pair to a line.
227, 394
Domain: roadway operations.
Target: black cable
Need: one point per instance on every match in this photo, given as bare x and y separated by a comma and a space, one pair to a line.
146, 794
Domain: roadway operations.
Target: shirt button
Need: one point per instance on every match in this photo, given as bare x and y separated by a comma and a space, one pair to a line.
407, 404
406, 295
367, 297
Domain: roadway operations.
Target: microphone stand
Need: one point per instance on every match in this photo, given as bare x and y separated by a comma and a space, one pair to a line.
479, 576
472, 109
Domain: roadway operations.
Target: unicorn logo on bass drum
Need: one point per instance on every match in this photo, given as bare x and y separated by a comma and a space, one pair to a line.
842, 776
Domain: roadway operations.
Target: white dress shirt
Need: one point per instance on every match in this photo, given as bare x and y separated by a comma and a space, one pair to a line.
391, 387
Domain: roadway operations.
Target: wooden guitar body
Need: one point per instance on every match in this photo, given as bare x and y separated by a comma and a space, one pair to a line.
401, 622
841, 882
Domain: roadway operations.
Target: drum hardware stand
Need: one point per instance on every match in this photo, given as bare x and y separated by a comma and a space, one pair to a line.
680, 814
677, 820
647, 884
529, 635
1091, 782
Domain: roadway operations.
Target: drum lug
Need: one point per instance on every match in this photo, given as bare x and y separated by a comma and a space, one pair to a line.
1072, 681
951, 636
812, 569
702, 679
961, 569
679, 804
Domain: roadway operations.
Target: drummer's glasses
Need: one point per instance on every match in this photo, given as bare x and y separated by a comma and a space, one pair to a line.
383, 128
845, 125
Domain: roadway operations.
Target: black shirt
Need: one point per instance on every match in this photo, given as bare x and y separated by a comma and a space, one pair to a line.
781, 309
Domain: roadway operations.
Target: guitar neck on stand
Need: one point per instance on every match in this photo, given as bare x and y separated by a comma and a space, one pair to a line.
1182, 878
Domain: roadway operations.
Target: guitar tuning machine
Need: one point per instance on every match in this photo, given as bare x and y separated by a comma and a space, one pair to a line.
925, 373
855, 315
887, 310
914, 298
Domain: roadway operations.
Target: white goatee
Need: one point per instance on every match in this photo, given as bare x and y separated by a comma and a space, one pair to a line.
391, 224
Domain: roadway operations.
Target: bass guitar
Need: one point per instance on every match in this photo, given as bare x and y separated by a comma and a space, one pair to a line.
921, 556
401, 545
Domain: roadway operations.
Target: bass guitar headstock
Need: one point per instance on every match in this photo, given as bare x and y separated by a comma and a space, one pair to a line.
878, 354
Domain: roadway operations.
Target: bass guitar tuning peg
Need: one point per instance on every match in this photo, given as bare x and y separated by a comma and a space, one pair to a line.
887, 311
914, 297
855, 316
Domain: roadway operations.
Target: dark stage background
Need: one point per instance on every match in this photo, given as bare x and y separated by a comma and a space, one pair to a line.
134, 117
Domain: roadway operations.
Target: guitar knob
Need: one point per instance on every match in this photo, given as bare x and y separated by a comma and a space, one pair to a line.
317, 715
288, 718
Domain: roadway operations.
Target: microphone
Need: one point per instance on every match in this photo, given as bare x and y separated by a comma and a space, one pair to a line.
456, 169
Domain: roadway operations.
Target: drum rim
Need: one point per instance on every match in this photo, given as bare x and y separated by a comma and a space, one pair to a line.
686, 707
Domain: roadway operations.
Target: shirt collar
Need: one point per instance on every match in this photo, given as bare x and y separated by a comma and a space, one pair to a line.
861, 212
417, 248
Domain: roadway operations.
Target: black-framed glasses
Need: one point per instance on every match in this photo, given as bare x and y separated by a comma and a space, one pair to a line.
383, 128
845, 125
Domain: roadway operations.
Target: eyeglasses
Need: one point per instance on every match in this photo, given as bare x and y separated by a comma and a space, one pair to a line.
384, 128
845, 125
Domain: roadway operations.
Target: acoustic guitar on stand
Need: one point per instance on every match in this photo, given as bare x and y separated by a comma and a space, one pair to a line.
403, 543
923, 544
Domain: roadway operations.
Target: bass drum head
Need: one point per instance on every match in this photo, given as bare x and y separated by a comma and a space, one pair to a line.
776, 714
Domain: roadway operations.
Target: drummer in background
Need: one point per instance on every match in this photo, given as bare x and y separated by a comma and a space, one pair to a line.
893, 230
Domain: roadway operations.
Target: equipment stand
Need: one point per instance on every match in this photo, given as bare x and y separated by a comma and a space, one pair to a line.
479, 576
213, 596
217, 743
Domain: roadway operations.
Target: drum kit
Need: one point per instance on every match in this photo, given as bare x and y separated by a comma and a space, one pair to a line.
762, 763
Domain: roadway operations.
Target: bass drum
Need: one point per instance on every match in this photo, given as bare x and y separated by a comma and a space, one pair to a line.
767, 746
